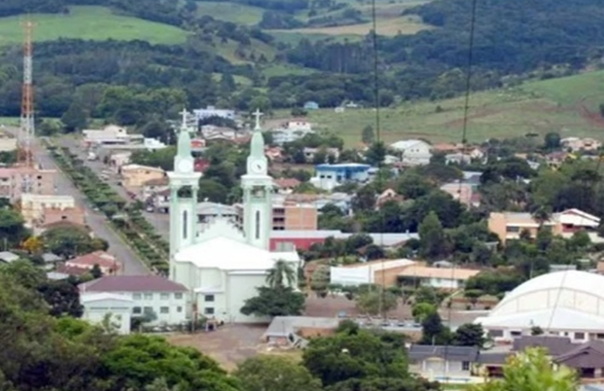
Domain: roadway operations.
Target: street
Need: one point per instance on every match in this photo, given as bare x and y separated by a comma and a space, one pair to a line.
160, 221
131, 264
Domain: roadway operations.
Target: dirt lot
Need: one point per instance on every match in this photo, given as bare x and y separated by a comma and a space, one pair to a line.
233, 344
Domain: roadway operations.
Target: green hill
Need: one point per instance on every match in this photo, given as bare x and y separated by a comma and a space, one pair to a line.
88, 22
567, 105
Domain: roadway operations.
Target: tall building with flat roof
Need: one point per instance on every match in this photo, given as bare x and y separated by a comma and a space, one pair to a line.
14, 181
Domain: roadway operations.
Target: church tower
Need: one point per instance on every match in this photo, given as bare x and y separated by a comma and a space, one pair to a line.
257, 192
184, 183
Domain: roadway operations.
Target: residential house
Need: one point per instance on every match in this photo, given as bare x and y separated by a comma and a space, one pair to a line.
329, 176
286, 185
151, 144
154, 186
163, 301
211, 111
283, 136
311, 105
275, 154
576, 144
440, 278
458, 158
293, 330
118, 160
509, 225
383, 272
463, 192
309, 153
135, 175
15, 181
38, 210
413, 152
106, 262
436, 362
8, 257
587, 359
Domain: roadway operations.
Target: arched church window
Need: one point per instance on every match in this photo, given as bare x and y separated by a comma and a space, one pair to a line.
184, 224
257, 224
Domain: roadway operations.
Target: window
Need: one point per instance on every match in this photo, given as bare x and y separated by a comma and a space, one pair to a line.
495, 333
257, 224
512, 229
178, 296
184, 224
137, 310
179, 309
209, 298
516, 334
599, 336
136, 296
465, 365
164, 296
148, 296
579, 335
148, 310
208, 311
164, 310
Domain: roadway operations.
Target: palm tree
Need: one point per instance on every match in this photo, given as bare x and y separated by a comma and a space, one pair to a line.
280, 273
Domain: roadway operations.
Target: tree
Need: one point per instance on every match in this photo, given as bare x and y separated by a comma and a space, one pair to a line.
33, 245
63, 297
532, 370
270, 373
376, 153
281, 274
96, 271
432, 237
74, 118
536, 330
551, 141
368, 135
376, 301
279, 301
434, 332
469, 334
421, 311
320, 278
12, 230
70, 241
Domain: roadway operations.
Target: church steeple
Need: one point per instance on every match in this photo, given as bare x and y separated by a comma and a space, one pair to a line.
257, 192
183, 161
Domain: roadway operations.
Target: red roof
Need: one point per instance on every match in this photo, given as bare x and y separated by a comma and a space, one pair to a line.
287, 182
101, 258
71, 270
132, 284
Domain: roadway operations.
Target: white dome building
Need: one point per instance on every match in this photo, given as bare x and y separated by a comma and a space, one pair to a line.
567, 303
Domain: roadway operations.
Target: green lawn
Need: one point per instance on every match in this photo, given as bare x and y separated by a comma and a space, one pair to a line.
535, 107
95, 23
230, 12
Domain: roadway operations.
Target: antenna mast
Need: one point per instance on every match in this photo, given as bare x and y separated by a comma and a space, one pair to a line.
26, 132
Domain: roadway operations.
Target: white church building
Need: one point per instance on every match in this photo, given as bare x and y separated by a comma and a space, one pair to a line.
220, 264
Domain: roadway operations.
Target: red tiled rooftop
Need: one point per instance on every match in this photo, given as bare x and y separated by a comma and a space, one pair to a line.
132, 284
287, 182
101, 258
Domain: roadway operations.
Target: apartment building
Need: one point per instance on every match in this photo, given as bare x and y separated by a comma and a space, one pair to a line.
288, 216
509, 225
14, 182
41, 209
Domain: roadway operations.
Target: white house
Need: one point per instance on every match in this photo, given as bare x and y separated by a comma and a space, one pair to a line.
165, 302
220, 264
282, 136
108, 307
211, 111
413, 152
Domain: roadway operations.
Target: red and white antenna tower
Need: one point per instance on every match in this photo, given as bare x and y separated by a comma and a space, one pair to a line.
26, 133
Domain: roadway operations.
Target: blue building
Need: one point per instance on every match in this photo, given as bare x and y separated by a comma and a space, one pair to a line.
311, 105
329, 176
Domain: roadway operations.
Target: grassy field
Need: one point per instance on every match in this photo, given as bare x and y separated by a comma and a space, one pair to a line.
230, 12
95, 23
567, 105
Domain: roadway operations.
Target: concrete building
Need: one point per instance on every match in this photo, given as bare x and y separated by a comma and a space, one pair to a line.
100, 308
568, 303
294, 216
413, 152
302, 240
135, 175
382, 272
329, 176
8, 144
163, 301
111, 134
509, 225
440, 362
283, 136
576, 144
309, 153
436, 277
38, 210
15, 180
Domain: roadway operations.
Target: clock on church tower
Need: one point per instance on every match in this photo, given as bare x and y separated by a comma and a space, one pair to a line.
257, 191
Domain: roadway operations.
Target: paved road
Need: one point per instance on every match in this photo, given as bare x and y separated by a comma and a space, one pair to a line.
160, 221
131, 263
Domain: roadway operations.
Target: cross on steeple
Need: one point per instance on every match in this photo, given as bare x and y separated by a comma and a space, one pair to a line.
257, 114
184, 114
